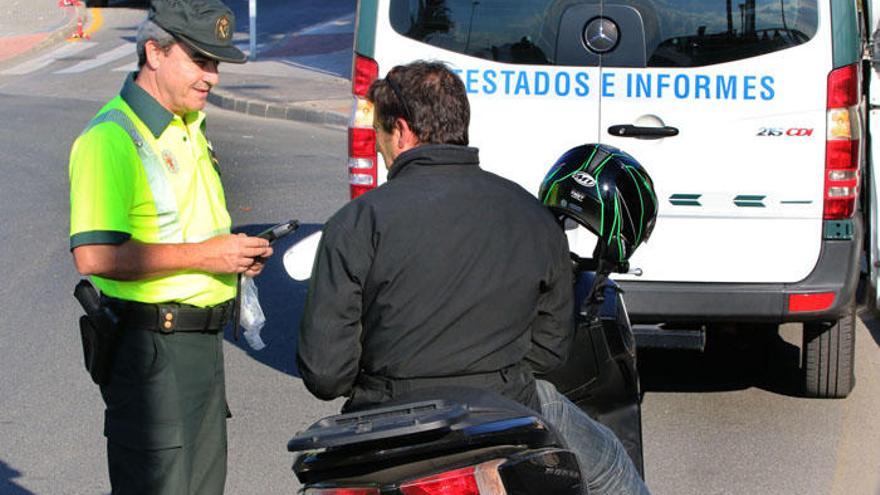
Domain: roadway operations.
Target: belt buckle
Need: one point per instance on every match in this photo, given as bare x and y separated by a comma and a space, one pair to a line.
168, 316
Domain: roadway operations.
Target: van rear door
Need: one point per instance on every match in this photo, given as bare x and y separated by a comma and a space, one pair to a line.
724, 103
526, 108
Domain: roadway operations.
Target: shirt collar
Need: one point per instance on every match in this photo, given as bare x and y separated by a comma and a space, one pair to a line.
151, 113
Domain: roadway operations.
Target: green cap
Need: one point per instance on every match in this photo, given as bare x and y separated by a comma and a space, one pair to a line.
206, 26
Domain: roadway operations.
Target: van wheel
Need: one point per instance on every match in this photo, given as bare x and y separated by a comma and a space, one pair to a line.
829, 356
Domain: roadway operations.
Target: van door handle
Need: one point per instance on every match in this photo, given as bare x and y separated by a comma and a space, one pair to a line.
635, 131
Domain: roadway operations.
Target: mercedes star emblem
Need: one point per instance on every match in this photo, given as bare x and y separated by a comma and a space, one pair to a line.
601, 35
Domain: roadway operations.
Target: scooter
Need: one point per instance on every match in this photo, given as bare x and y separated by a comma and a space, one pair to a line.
458, 441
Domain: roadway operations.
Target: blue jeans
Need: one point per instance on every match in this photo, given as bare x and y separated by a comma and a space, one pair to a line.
606, 468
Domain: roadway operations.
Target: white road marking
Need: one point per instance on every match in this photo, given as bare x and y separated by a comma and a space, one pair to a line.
344, 24
104, 58
38, 63
127, 68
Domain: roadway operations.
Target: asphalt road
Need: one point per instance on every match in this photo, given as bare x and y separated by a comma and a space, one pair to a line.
50, 415
726, 422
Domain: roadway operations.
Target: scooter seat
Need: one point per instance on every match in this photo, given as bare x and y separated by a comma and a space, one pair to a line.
433, 423
430, 412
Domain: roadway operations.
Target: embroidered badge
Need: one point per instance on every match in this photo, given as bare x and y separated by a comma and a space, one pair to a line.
222, 31
170, 161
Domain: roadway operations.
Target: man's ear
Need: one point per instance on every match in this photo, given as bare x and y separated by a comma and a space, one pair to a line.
154, 54
405, 138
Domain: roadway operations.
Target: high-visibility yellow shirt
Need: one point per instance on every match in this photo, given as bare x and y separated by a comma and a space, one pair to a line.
174, 195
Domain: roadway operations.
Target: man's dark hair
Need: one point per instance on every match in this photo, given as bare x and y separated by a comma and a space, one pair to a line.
429, 97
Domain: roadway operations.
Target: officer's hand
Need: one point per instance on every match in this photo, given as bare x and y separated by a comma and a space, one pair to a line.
255, 269
233, 253
259, 263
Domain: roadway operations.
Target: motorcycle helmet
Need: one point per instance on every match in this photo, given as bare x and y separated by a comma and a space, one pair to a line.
607, 191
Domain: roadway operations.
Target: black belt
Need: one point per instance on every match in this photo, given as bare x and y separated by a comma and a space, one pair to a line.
171, 317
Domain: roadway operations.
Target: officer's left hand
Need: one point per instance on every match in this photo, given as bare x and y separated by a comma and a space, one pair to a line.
259, 262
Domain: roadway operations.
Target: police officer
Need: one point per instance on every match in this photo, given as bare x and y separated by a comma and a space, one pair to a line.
149, 224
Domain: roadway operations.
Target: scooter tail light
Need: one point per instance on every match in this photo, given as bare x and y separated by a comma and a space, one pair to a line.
341, 491
482, 479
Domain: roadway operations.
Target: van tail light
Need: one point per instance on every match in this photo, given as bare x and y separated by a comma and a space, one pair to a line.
341, 491
842, 145
362, 173
482, 479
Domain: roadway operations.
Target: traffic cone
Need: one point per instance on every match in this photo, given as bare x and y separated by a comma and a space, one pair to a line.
79, 34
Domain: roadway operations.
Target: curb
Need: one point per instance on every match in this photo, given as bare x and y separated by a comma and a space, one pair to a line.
299, 113
55, 37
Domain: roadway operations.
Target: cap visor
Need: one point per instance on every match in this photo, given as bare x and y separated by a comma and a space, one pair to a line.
229, 53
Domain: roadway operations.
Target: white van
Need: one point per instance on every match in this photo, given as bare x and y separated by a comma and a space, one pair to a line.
748, 116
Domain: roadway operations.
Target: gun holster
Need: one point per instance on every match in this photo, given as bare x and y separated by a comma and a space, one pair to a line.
99, 329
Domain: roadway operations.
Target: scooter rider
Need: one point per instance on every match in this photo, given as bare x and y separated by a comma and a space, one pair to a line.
446, 275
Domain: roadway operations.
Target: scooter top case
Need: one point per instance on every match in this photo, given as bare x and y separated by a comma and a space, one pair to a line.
422, 432
600, 375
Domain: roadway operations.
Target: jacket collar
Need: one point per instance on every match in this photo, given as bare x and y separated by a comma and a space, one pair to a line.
434, 155
151, 113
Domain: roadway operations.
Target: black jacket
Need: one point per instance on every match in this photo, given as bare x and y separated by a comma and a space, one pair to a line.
446, 274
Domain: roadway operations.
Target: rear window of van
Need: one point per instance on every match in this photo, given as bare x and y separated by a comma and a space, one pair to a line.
676, 33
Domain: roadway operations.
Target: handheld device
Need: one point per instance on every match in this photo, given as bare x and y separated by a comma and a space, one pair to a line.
276, 232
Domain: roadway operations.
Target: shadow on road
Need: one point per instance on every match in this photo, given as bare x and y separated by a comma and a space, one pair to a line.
281, 17
733, 360
8, 486
871, 324
282, 300
753, 356
865, 313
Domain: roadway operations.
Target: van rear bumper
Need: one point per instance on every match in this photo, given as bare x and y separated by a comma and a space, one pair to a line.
837, 270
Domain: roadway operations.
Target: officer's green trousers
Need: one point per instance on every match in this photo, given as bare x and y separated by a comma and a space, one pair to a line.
165, 420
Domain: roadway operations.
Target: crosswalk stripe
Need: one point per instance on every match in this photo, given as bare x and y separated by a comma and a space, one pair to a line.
104, 58
42, 61
127, 68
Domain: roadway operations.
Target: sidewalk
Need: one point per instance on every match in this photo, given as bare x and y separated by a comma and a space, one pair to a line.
276, 88
302, 76
31, 25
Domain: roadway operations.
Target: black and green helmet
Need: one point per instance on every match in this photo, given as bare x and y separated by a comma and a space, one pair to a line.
607, 191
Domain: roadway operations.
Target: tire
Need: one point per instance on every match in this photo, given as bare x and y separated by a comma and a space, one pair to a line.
829, 356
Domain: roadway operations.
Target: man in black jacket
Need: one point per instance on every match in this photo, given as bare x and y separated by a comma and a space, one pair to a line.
446, 275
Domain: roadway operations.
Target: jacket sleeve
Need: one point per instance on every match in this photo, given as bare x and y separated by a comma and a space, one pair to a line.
329, 350
553, 328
